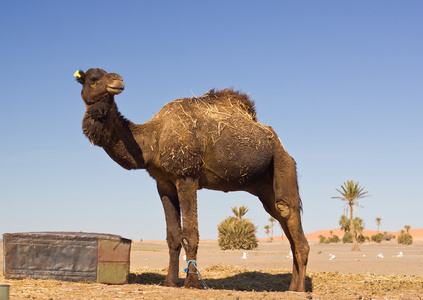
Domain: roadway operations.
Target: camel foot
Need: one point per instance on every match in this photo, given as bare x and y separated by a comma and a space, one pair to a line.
296, 290
192, 282
294, 287
170, 283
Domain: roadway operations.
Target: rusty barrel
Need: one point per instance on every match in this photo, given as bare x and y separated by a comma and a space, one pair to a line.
68, 256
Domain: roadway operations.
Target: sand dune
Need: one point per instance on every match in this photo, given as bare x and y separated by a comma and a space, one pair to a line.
416, 233
314, 236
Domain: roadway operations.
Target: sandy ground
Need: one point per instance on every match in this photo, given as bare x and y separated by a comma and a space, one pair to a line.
275, 255
264, 274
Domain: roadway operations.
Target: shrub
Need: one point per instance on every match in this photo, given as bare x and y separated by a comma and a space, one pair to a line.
322, 239
361, 239
377, 238
347, 238
405, 238
388, 236
237, 233
333, 239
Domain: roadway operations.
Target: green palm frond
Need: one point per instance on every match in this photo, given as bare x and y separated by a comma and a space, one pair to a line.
351, 192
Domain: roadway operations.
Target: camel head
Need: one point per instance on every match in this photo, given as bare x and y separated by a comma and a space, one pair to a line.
98, 85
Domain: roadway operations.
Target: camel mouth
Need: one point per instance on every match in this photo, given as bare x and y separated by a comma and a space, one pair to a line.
114, 90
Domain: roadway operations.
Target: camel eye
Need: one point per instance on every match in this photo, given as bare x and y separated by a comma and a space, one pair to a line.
93, 79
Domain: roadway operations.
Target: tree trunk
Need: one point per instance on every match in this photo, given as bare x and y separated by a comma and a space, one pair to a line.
352, 230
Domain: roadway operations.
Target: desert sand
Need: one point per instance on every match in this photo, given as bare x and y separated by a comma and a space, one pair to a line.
276, 255
334, 272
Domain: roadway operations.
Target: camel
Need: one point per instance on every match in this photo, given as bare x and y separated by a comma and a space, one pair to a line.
213, 142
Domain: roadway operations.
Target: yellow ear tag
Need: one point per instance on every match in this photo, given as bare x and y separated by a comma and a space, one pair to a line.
76, 74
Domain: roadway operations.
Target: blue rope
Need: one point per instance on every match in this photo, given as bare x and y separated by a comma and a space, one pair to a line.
198, 272
190, 262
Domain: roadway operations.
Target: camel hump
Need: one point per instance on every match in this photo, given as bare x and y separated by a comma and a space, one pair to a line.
231, 97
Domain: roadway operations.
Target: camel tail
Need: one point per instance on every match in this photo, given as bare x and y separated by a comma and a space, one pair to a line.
299, 197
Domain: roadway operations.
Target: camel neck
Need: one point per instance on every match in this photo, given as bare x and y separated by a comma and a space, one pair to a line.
107, 128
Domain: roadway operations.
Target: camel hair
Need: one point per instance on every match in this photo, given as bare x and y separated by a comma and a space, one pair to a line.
213, 142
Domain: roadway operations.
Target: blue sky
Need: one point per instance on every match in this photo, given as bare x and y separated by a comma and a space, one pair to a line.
340, 82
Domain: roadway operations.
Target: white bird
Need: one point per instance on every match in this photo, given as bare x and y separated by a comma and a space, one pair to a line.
244, 255
380, 255
331, 256
290, 255
400, 254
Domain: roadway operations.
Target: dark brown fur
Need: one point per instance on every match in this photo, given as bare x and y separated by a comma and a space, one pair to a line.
214, 142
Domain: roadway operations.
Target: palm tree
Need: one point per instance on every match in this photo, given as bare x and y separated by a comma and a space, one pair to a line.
344, 222
272, 223
359, 225
351, 193
378, 223
237, 232
267, 230
407, 227
240, 212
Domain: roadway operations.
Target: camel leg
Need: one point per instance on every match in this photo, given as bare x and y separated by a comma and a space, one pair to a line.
288, 213
169, 197
293, 231
187, 194
286, 208
300, 250
299, 245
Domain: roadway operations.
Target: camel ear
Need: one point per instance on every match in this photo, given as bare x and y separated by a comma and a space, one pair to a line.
80, 76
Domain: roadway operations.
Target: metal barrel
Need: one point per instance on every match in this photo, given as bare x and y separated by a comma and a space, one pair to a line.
69, 256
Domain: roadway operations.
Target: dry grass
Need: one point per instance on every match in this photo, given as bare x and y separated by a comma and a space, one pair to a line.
227, 282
